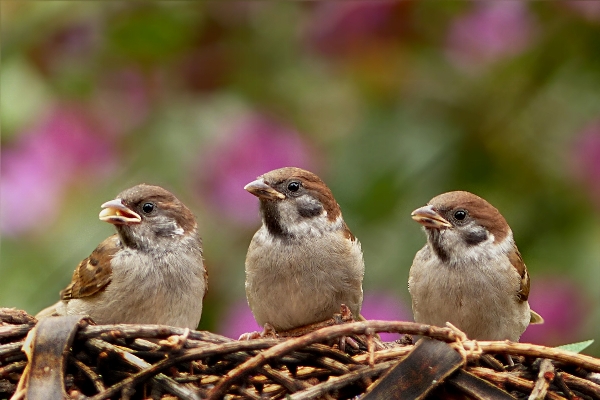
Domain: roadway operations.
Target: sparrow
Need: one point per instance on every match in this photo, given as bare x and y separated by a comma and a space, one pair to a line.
303, 263
150, 272
470, 273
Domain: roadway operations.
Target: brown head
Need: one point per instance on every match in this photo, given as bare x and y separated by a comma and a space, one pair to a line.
464, 215
289, 196
146, 212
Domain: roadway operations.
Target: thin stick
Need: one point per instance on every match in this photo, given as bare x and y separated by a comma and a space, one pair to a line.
545, 378
503, 378
164, 381
146, 331
560, 382
534, 350
14, 367
582, 385
87, 371
339, 382
328, 333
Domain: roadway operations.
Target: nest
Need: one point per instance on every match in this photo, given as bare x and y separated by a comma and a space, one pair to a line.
70, 357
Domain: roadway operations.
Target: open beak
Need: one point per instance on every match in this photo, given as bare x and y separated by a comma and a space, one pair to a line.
115, 212
263, 191
429, 218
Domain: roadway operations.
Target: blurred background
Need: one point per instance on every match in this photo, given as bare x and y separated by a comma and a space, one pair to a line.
391, 103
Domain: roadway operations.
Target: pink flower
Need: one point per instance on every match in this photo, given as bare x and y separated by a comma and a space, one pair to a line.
253, 146
586, 159
385, 306
564, 309
491, 31
36, 169
238, 319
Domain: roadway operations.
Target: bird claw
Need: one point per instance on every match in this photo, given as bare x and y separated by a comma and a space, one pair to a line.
268, 332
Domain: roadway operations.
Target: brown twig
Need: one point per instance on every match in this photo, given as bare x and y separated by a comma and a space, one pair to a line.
582, 385
164, 381
12, 368
11, 349
381, 355
545, 378
91, 375
292, 385
187, 355
534, 350
126, 331
339, 382
507, 378
560, 382
11, 331
300, 367
327, 333
13, 316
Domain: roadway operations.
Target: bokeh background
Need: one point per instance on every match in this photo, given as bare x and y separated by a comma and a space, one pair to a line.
391, 103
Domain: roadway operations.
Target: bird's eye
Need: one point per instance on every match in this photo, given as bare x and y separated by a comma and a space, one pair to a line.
148, 207
293, 186
460, 215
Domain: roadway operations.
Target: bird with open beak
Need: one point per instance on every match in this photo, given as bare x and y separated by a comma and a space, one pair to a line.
150, 272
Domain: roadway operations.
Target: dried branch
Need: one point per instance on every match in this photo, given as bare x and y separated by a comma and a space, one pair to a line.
166, 362
582, 385
162, 380
503, 379
545, 377
339, 382
534, 350
12, 331
325, 334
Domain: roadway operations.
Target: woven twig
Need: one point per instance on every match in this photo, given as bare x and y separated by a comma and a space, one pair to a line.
120, 360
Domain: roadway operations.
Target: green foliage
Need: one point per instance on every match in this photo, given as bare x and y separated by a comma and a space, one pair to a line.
577, 347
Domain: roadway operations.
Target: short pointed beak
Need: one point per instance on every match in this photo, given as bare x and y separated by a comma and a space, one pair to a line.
429, 218
263, 191
115, 212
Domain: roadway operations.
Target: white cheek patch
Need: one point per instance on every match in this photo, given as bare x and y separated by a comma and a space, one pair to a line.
479, 253
298, 225
178, 230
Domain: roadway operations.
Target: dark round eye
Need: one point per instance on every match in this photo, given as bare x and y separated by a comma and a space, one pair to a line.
293, 186
460, 215
148, 207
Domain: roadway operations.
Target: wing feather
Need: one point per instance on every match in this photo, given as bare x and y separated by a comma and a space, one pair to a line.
94, 273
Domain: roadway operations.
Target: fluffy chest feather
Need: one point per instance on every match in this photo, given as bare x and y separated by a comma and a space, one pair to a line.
293, 282
164, 287
478, 294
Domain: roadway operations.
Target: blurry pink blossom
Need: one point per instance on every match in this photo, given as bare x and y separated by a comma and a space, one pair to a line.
238, 319
588, 9
350, 27
490, 31
35, 169
564, 309
253, 146
586, 159
385, 306
376, 306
